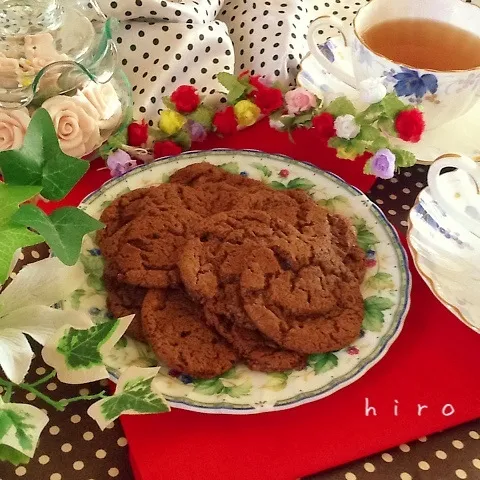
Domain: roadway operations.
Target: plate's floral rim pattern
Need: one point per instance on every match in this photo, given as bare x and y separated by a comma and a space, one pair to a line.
319, 363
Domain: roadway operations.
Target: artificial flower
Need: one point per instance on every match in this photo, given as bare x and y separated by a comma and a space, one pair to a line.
345, 154
166, 148
197, 131
11, 72
76, 124
120, 162
13, 126
277, 124
171, 122
299, 100
346, 127
259, 81
137, 133
26, 309
185, 98
410, 125
372, 90
225, 122
268, 99
324, 125
246, 113
382, 164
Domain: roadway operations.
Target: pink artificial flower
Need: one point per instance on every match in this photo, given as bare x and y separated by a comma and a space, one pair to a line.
299, 100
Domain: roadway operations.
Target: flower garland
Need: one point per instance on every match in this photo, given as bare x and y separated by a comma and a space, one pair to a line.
336, 122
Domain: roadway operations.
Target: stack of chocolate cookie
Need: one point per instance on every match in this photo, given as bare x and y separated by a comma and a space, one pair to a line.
219, 269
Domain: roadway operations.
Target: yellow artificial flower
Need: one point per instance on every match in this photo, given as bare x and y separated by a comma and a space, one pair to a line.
171, 122
246, 113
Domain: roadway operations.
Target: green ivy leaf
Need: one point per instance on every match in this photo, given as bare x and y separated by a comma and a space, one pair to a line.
203, 115
235, 88
262, 168
277, 185
403, 158
374, 307
13, 456
392, 105
301, 183
13, 236
183, 139
41, 162
211, 386
63, 230
75, 298
134, 395
276, 381
365, 237
237, 391
341, 106
380, 281
231, 167
322, 362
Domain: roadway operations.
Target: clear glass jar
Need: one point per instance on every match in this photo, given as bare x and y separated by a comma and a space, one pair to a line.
59, 55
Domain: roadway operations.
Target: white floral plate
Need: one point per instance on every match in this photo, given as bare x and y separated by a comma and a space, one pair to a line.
241, 391
458, 136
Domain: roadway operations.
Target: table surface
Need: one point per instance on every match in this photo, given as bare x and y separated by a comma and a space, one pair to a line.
73, 448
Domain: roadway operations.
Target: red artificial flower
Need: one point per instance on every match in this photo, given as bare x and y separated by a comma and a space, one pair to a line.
268, 99
185, 98
410, 125
166, 148
225, 122
324, 125
137, 134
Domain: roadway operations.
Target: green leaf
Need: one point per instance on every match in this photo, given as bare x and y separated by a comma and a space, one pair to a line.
262, 168
93, 265
63, 230
237, 391
337, 142
211, 386
13, 456
235, 88
75, 298
135, 394
13, 236
386, 125
322, 362
81, 348
341, 106
113, 143
301, 183
335, 204
380, 281
277, 185
288, 121
41, 162
232, 373
165, 178
183, 139
370, 115
169, 104
368, 133
365, 237
403, 158
302, 119
378, 143
374, 308
203, 115
276, 381
392, 105
231, 167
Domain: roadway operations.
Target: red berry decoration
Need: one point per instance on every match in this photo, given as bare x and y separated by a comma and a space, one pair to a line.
353, 351
410, 125
225, 122
284, 173
324, 125
137, 134
185, 98
166, 148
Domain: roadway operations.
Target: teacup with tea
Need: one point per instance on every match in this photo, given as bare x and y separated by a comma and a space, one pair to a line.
427, 51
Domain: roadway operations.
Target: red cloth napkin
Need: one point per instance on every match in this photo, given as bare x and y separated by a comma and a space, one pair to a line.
434, 362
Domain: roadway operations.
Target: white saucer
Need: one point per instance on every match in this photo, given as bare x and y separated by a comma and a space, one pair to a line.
445, 258
459, 136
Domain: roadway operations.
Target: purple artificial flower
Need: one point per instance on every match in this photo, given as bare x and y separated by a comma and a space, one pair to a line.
382, 164
120, 162
197, 131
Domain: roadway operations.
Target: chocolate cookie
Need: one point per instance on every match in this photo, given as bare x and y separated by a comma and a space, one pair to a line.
150, 247
175, 328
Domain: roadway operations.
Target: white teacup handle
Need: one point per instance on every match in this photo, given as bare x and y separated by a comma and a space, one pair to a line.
332, 68
469, 220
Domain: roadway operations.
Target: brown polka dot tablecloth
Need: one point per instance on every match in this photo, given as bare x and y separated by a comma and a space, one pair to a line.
73, 448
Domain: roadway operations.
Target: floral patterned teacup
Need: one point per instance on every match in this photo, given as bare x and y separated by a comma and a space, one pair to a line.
443, 95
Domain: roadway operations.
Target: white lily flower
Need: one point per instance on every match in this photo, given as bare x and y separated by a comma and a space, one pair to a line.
26, 308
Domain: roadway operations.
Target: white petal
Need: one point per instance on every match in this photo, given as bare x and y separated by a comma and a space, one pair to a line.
41, 322
15, 354
41, 283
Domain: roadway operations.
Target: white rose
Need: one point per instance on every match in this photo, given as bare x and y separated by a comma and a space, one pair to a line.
13, 126
40, 45
10, 72
105, 101
372, 90
346, 127
75, 124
